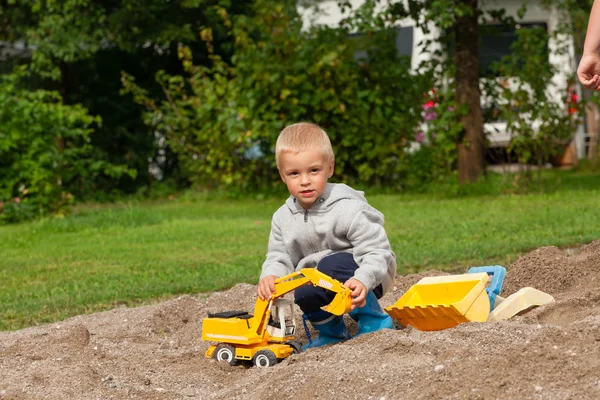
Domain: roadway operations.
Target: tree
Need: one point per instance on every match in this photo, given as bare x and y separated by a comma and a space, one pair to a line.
37, 177
458, 19
471, 142
223, 121
80, 48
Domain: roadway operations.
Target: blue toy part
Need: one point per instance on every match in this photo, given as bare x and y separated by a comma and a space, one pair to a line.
497, 272
304, 319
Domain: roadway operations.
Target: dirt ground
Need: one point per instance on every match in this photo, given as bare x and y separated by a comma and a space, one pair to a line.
156, 351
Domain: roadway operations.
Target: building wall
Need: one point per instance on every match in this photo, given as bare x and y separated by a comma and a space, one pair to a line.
536, 13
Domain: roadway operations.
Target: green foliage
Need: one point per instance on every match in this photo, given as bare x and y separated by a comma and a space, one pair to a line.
435, 159
537, 121
538, 124
80, 47
62, 32
223, 120
45, 155
575, 26
222, 96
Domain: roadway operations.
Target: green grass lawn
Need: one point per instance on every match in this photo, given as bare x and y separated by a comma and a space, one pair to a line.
133, 253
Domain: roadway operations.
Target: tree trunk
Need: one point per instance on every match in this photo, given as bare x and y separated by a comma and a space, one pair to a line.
470, 146
63, 90
592, 119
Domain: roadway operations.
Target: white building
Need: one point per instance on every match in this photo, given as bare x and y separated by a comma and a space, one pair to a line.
410, 38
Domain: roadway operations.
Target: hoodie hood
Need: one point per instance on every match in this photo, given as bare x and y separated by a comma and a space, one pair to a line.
333, 193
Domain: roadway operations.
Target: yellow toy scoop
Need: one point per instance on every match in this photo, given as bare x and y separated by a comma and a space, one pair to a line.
517, 302
442, 302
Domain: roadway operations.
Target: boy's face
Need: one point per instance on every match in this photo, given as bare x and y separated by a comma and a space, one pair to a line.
305, 173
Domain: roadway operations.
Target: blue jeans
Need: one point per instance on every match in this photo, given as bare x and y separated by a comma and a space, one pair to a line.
340, 266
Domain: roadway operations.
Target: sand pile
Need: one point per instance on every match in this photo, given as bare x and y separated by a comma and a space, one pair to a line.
156, 352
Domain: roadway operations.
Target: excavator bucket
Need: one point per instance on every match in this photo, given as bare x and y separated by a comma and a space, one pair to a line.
340, 304
517, 302
342, 301
442, 302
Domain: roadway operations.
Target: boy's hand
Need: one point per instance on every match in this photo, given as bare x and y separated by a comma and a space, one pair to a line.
266, 287
359, 292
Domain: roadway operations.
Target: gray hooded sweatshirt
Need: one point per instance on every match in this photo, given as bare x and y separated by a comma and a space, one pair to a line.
340, 220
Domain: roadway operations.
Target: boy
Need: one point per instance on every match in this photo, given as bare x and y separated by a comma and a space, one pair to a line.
330, 227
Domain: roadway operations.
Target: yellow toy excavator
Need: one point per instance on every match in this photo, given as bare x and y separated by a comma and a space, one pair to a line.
267, 336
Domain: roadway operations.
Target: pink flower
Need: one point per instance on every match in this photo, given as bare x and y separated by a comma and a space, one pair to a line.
429, 116
420, 137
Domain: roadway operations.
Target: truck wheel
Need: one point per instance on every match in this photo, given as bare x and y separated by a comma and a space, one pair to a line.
297, 347
265, 358
226, 352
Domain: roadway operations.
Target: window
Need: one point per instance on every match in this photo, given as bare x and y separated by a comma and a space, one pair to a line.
496, 41
404, 43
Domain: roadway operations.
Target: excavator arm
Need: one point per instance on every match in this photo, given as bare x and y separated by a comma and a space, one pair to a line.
340, 304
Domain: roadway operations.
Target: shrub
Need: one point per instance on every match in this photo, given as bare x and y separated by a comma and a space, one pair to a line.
45, 155
223, 120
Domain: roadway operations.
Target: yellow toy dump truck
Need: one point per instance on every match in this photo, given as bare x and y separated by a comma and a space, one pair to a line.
267, 336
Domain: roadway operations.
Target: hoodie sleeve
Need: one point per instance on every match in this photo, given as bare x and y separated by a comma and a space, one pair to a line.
278, 261
372, 251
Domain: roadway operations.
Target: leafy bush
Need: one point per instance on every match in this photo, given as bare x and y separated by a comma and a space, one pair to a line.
223, 120
45, 155
435, 158
539, 126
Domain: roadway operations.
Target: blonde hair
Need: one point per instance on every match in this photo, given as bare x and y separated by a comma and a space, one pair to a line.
303, 136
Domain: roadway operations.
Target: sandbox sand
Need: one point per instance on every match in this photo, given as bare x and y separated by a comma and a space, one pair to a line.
156, 351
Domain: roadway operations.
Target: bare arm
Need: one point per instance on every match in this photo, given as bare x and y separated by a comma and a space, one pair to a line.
592, 35
588, 71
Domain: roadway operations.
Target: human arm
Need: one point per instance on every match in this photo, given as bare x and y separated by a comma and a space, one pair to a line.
277, 264
588, 71
371, 248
